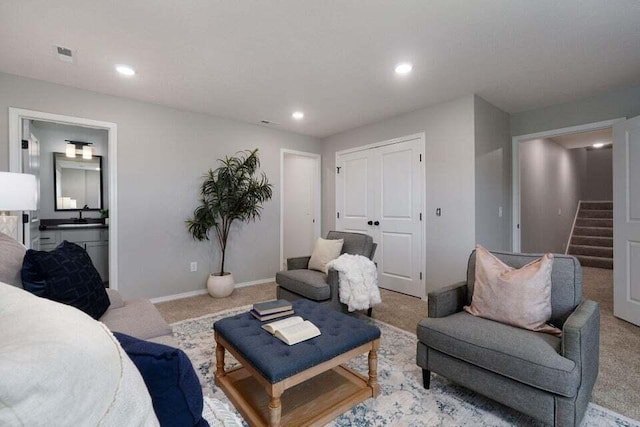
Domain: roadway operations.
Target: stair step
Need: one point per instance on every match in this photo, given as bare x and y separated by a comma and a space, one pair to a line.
596, 251
597, 262
594, 222
592, 241
593, 231
595, 213
597, 205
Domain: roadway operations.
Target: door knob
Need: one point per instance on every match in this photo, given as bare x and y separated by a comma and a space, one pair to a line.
376, 223
370, 222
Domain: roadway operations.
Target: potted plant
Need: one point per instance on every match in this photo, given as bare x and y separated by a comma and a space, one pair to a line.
234, 191
104, 214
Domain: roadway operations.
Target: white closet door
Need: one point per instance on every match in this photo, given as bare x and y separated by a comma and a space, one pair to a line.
354, 192
398, 207
380, 191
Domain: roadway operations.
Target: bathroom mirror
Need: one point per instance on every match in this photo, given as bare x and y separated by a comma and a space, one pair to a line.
77, 183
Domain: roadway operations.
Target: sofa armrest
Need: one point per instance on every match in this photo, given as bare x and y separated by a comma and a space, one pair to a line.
298, 263
581, 339
448, 300
115, 299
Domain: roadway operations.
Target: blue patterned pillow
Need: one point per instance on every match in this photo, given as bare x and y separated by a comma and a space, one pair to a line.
65, 275
174, 387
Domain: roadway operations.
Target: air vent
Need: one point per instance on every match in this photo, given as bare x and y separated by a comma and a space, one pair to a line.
64, 53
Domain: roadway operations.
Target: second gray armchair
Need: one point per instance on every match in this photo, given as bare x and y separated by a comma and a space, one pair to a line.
299, 282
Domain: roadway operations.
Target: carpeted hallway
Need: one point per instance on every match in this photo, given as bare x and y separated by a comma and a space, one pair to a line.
619, 378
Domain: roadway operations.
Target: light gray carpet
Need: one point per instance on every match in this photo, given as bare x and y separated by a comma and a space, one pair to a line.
618, 386
403, 401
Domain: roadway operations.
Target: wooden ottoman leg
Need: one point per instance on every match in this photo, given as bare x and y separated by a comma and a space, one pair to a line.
373, 368
219, 361
275, 407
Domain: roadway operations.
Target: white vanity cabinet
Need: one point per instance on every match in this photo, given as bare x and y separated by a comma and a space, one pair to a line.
94, 240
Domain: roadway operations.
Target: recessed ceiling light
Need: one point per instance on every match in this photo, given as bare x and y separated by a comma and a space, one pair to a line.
298, 115
598, 145
404, 68
125, 70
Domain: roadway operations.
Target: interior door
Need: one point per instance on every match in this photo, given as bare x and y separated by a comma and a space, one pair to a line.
379, 191
626, 220
299, 192
397, 226
31, 165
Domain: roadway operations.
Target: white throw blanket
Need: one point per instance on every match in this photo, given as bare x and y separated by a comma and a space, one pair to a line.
358, 281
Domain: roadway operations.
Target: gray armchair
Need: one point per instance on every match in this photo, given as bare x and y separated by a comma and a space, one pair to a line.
546, 377
298, 282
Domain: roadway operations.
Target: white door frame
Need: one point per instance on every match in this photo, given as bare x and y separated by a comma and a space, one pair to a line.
15, 165
423, 174
317, 211
515, 167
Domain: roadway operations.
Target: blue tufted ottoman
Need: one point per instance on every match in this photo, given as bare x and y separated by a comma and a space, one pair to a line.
303, 384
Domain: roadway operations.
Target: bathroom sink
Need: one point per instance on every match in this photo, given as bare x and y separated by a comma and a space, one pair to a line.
86, 225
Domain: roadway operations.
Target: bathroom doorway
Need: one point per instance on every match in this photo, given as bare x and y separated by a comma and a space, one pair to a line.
74, 161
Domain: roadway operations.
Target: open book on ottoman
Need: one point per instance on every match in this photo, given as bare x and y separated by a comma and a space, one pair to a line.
292, 330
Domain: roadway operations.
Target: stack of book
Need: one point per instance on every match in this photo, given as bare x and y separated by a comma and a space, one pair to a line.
269, 310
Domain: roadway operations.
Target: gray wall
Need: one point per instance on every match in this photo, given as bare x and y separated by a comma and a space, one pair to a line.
162, 154
550, 188
492, 176
449, 164
622, 102
52, 140
598, 183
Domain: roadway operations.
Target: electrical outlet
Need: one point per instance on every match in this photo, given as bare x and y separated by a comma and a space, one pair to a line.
194, 266
559, 211
500, 212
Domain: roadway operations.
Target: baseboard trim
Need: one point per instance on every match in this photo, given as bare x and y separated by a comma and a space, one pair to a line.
255, 282
204, 291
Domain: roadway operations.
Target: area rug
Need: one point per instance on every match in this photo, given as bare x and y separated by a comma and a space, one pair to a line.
403, 401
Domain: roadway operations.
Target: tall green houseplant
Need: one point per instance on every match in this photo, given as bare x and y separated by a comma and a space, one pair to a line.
234, 191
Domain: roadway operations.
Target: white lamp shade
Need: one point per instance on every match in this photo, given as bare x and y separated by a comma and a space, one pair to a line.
18, 192
87, 152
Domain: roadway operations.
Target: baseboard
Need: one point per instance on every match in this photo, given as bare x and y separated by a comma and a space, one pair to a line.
179, 296
255, 282
204, 291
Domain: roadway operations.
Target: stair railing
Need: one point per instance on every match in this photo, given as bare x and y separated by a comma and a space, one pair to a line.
573, 226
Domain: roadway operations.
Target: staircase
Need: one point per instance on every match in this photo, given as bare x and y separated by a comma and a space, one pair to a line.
592, 237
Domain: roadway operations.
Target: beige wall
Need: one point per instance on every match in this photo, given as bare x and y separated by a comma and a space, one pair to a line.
550, 188
492, 176
621, 102
598, 183
449, 163
162, 154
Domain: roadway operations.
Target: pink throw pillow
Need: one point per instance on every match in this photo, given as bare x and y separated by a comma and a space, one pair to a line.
518, 297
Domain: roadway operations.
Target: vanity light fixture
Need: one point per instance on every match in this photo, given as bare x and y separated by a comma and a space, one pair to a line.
298, 115
404, 68
70, 150
87, 152
79, 147
125, 70
598, 145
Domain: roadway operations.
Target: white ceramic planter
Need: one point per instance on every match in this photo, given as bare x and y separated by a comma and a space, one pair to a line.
220, 286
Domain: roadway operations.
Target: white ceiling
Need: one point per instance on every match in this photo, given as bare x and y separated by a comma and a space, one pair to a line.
254, 60
585, 139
